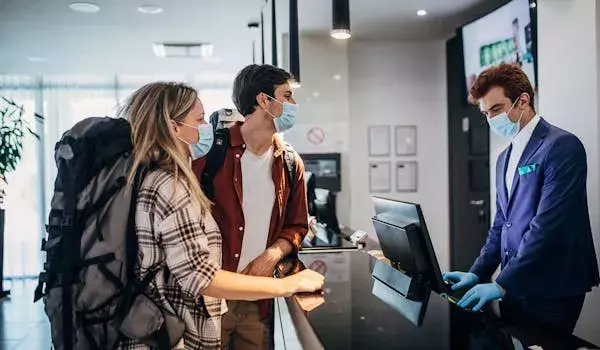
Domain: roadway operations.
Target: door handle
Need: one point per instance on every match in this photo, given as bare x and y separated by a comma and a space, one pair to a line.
481, 216
477, 203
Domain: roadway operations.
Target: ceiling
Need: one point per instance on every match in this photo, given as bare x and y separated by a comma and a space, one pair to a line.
389, 19
119, 38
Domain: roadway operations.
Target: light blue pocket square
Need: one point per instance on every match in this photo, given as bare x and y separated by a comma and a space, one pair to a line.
526, 169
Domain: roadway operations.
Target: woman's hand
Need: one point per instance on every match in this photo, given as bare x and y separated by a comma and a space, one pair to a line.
306, 281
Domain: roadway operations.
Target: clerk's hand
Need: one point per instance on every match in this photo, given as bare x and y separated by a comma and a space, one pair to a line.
480, 295
461, 279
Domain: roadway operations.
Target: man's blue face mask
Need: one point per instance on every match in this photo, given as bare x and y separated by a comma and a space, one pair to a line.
503, 126
288, 116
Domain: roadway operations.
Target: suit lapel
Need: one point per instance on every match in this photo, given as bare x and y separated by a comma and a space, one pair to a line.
536, 140
501, 175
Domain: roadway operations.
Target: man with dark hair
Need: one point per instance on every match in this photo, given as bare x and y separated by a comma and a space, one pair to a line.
262, 215
541, 235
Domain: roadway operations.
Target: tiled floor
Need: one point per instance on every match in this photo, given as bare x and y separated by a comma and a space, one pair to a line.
23, 324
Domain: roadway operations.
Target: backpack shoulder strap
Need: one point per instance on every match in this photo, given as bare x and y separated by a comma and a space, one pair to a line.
214, 121
290, 164
214, 161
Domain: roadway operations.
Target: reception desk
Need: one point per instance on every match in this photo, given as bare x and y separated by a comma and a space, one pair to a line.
358, 311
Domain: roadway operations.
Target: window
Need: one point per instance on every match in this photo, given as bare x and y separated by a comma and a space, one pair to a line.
23, 224
64, 102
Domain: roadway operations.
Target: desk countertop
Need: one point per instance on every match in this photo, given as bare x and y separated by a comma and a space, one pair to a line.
358, 311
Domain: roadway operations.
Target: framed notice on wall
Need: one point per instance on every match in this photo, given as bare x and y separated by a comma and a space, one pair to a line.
406, 176
406, 140
380, 177
379, 141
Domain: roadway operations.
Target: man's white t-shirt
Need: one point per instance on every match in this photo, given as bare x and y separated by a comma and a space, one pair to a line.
258, 191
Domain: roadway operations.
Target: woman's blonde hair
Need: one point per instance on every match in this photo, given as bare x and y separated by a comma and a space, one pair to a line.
150, 111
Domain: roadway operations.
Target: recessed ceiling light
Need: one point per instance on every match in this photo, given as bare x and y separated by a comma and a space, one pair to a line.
150, 10
37, 59
341, 34
159, 50
421, 13
533, 5
316, 94
337, 77
84, 7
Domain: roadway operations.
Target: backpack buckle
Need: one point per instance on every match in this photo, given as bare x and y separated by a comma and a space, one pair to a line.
67, 221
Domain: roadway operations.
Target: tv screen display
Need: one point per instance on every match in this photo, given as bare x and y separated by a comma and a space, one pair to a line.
503, 36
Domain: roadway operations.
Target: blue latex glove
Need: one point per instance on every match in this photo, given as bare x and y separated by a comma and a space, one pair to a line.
461, 279
480, 295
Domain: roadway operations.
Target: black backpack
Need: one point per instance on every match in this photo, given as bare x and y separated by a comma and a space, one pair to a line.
216, 156
91, 295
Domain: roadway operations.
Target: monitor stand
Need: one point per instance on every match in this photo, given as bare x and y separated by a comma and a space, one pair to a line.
412, 288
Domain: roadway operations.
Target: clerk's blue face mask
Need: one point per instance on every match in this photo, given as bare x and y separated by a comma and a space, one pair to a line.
205, 140
503, 126
288, 116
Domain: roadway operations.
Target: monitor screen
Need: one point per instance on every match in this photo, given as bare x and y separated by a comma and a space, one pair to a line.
503, 36
401, 227
325, 210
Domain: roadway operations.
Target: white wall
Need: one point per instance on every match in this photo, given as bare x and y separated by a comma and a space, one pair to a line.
402, 83
324, 102
569, 98
380, 82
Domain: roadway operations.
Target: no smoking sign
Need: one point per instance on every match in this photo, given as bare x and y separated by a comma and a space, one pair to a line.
319, 266
315, 135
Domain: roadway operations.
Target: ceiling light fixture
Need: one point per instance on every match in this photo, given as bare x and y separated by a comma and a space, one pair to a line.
337, 77
190, 50
37, 59
84, 7
421, 13
341, 19
253, 26
294, 43
159, 50
150, 9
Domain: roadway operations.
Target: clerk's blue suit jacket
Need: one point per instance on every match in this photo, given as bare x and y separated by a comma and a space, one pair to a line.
541, 235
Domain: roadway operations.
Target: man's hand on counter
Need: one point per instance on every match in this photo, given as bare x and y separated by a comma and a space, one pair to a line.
264, 264
480, 295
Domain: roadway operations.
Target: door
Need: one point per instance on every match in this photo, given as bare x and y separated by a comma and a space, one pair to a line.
469, 167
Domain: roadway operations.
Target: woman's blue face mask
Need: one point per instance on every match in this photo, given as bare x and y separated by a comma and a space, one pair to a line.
205, 140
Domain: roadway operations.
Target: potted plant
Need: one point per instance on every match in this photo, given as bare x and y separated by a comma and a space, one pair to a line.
13, 129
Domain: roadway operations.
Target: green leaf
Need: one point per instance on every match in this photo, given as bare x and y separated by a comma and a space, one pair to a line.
13, 126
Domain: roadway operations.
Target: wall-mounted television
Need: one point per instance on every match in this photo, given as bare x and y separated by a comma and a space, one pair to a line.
506, 35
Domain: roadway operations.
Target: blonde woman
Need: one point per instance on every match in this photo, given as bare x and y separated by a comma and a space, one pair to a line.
174, 225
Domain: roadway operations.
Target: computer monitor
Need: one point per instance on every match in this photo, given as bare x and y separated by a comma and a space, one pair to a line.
405, 240
311, 185
325, 210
